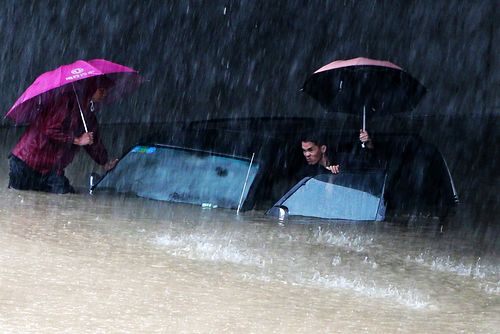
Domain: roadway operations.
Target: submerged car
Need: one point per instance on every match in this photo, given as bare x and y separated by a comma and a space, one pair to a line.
252, 164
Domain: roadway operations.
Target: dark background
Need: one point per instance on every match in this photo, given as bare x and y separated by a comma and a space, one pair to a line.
210, 59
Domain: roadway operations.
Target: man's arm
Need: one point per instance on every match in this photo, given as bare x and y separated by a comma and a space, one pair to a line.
97, 150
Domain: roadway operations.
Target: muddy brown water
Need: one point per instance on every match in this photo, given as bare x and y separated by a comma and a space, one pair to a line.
112, 264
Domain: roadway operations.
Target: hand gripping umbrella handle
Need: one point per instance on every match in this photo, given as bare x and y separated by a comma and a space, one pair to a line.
80, 108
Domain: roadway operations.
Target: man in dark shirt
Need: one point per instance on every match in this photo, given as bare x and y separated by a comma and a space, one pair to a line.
315, 152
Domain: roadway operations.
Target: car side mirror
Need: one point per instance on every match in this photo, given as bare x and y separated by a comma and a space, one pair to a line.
279, 211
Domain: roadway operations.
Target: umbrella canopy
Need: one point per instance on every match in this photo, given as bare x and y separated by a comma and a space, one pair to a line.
350, 86
72, 77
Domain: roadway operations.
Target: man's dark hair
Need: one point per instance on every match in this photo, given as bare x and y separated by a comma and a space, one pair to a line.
314, 137
104, 82
86, 88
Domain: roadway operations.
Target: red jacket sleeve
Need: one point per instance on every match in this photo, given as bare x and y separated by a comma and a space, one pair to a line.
97, 151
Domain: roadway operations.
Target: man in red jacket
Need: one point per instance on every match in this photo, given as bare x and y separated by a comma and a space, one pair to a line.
50, 143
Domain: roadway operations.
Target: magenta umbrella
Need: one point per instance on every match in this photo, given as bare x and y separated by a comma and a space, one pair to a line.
364, 86
63, 78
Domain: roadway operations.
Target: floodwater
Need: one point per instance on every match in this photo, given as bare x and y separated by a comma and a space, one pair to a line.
110, 264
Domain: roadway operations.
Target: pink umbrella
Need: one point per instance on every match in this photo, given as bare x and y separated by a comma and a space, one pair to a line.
125, 79
360, 61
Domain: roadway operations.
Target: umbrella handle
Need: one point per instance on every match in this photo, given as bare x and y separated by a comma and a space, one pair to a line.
364, 123
80, 108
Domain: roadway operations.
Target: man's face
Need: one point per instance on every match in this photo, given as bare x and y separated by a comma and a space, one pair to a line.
99, 94
312, 152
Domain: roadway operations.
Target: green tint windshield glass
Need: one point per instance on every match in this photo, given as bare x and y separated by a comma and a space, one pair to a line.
182, 175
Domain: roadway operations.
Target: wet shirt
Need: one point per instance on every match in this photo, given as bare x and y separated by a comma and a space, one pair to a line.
47, 144
311, 170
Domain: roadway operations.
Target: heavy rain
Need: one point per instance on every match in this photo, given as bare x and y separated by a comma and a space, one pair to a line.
139, 261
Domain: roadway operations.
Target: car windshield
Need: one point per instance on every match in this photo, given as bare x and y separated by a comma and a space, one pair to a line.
176, 174
348, 195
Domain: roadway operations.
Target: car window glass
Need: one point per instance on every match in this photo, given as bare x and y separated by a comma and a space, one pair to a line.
353, 196
182, 175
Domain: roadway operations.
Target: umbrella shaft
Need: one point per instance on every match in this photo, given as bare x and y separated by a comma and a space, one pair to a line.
80, 108
364, 118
